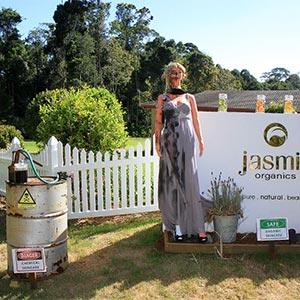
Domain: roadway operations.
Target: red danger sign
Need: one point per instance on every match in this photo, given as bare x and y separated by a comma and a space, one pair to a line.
29, 260
29, 255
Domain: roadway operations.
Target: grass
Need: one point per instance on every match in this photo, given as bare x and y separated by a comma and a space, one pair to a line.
121, 258
132, 142
32, 147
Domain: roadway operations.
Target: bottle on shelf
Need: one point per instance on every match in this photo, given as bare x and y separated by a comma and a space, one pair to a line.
222, 102
288, 104
260, 103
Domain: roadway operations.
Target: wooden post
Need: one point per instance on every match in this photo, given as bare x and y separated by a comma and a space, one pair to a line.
272, 250
33, 281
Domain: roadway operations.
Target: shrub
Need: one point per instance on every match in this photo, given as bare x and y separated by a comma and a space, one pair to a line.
7, 133
275, 106
32, 116
87, 118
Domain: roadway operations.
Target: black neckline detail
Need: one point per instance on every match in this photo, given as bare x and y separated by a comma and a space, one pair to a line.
176, 91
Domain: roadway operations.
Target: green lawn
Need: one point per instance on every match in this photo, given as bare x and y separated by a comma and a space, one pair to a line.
132, 142
122, 258
31, 147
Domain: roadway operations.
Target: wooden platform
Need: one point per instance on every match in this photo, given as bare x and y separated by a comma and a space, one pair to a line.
273, 248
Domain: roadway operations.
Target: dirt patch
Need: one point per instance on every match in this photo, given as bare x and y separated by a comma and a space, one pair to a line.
241, 239
250, 238
110, 219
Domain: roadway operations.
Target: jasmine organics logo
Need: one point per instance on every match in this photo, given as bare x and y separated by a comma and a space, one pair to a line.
270, 166
275, 134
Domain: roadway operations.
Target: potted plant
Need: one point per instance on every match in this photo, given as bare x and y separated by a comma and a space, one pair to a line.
226, 210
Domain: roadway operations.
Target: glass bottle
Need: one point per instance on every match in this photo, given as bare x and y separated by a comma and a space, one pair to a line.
222, 102
21, 170
288, 104
260, 103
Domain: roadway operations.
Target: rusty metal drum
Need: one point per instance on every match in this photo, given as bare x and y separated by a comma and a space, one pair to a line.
37, 216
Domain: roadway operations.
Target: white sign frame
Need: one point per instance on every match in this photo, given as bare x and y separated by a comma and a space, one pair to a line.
273, 232
232, 139
31, 263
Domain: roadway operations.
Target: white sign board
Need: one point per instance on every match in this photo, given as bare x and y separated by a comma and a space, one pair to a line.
261, 151
272, 229
28, 260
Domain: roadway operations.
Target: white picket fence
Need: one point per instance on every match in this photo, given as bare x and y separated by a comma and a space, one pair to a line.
98, 185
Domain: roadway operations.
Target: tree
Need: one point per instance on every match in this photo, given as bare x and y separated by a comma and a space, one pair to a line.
118, 67
97, 15
200, 69
225, 80
37, 60
275, 80
249, 82
13, 68
276, 75
131, 26
156, 55
237, 74
71, 46
81, 67
293, 81
131, 30
69, 18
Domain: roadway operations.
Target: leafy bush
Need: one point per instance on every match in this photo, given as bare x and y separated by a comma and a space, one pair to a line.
32, 116
7, 133
278, 107
275, 106
87, 118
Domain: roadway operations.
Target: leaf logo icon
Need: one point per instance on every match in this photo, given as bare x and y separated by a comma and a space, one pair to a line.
275, 134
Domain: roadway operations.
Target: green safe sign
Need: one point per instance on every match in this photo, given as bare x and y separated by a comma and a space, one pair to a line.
272, 229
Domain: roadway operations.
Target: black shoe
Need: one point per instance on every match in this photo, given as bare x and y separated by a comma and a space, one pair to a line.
202, 239
179, 238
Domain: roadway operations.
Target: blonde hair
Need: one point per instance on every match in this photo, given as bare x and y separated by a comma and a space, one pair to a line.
166, 74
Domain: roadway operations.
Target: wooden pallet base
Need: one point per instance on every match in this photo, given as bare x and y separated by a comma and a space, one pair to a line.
273, 248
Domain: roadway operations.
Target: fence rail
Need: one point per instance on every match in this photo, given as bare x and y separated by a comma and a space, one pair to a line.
98, 185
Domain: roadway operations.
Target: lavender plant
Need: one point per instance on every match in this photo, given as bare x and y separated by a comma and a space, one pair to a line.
226, 197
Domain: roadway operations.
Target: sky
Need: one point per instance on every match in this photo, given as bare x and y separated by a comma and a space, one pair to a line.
256, 35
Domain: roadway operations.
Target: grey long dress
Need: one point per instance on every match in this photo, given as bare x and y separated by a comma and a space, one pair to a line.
179, 196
